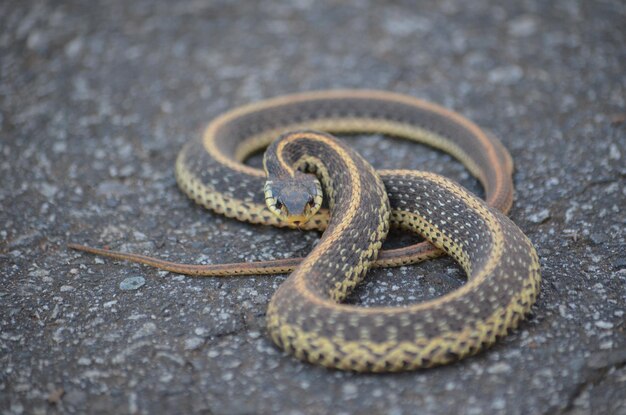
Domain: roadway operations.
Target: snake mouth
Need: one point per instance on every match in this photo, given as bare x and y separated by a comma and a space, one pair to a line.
297, 220
279, 210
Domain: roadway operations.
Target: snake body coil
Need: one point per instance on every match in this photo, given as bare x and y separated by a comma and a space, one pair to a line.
305, 315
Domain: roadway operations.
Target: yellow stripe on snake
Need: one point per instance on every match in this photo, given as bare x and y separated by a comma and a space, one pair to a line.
305, 316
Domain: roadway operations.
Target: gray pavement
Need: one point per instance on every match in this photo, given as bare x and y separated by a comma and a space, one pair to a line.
96, 98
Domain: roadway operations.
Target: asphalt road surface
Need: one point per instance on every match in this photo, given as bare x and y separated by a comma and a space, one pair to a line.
96, 99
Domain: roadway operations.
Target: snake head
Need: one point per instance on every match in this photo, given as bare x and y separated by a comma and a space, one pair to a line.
294, 199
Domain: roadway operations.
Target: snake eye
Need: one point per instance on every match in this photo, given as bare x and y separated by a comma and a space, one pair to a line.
279, 204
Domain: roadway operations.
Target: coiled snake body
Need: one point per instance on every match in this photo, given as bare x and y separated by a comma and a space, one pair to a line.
305, 315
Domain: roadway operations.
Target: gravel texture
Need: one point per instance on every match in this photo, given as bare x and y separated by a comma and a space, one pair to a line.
96, 98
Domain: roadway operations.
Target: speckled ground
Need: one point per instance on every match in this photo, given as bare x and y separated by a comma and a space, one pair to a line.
96, 98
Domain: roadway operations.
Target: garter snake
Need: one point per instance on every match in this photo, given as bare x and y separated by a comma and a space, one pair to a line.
305, 315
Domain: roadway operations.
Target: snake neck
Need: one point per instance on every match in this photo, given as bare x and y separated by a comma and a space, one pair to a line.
359, 209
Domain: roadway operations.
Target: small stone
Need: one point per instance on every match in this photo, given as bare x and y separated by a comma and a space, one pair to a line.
522, 26
614, 153
66, 288
193, 343
145, 330
499, 368
540, 217
606, 345
48, 190
231, 364
126, 171
132, 283
84, 361
598, 238
57, 336
498, 404
201, 331
73, 48
36, 40
349, 390
506, 75
604, 324
59, 147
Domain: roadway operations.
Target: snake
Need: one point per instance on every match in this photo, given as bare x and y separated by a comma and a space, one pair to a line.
306, 315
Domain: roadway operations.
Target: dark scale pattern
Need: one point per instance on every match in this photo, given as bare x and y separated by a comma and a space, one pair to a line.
238, 187
510, 274
232, 133
242, 193
445, 210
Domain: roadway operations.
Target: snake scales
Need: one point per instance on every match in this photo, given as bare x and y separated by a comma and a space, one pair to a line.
306, 316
